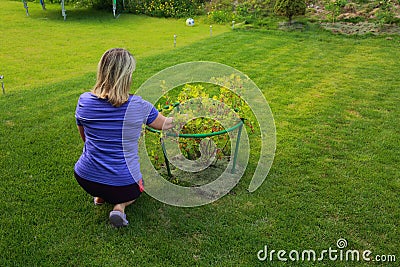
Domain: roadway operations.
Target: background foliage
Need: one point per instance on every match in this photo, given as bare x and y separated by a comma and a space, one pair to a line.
166, 8
241, 10
256, 12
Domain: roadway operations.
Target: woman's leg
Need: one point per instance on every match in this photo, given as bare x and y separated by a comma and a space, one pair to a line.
121, 207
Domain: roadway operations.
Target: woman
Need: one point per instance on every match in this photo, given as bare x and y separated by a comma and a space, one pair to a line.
102, 170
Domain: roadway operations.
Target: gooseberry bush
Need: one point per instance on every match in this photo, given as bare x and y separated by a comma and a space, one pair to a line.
203, 108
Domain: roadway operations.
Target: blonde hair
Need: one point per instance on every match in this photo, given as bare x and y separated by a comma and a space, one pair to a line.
114, 76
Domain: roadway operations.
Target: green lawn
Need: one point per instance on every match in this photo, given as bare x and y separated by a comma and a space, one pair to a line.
335, 102
47, 49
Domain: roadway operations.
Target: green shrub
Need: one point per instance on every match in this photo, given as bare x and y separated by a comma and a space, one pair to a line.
386, 14
221, 16
166, 8
249, 11
335, 7
215, 99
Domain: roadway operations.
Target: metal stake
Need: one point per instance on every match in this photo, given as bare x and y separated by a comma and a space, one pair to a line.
63, 10
175, 39
236, 148
26, 7
210, 30
2, 84
114, 7
165, 157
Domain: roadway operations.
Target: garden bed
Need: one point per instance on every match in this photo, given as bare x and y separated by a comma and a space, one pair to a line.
360, 28
356, 17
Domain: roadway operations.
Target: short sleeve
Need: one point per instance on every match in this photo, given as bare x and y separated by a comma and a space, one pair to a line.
78, 122
152, 116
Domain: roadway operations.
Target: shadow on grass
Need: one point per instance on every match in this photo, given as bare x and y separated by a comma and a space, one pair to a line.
75, 14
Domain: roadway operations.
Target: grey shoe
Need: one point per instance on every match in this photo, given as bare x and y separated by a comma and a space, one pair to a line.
118, 219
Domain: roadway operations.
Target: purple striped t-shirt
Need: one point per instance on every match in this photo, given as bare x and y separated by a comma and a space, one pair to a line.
103, 159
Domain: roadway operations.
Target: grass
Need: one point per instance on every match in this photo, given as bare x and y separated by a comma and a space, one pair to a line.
48, 49
335, 174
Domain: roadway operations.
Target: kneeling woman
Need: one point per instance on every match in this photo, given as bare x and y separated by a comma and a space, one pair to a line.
102, 169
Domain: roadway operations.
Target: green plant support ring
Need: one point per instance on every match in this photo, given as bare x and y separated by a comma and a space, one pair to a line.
202, 135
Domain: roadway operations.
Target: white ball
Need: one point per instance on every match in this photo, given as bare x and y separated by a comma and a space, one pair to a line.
190, 22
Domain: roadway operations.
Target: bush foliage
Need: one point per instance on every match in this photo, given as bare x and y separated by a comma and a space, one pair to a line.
222, 11
166, 8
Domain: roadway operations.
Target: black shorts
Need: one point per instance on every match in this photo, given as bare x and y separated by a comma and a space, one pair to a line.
111, 194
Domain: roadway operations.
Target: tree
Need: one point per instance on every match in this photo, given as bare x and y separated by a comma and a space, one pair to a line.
290, 8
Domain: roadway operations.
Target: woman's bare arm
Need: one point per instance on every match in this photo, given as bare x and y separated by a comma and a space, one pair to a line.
162, 123
82, 132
